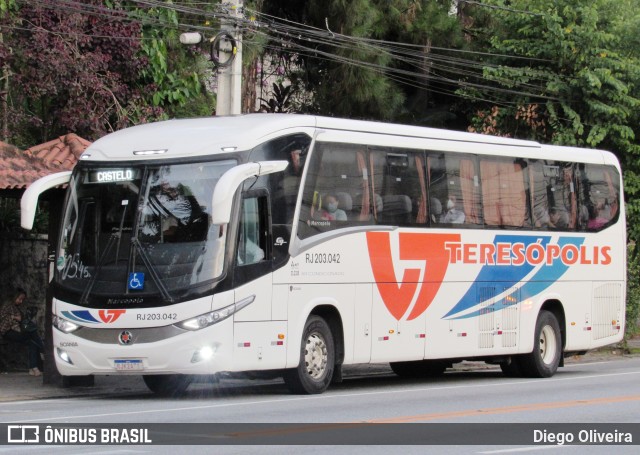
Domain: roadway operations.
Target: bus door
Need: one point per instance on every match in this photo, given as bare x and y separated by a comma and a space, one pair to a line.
256, 336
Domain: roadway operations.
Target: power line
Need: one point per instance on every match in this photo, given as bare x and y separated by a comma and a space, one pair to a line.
500, 8
294, 34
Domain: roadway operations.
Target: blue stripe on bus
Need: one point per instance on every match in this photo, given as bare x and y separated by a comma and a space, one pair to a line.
509, 276
80, 316
548, 274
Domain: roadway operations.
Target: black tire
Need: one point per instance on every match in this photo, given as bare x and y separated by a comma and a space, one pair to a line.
168, 385
543, 362
419, 368
317, 359
511, 369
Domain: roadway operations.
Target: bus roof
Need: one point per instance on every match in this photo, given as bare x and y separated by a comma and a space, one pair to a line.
214, 135
193, 137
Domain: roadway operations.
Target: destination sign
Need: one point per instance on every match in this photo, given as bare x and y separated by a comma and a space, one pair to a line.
113, 175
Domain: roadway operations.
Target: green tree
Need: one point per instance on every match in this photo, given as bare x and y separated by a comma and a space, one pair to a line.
347, 57
578, 85
92, 69
172, 72
427, 68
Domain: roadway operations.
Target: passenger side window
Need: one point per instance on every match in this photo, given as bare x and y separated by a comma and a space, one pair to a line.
454, 189
399, 187
504, 192
336, 192
538, 194
553, 195
284, 186
598, 190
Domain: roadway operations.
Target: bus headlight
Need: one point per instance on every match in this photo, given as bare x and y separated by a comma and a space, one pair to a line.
64, 356
207, 319
63, 325
203, 354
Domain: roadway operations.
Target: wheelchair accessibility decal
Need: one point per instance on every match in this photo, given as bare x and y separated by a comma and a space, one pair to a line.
136, 281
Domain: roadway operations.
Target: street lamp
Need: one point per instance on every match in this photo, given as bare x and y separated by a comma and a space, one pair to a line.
190, 38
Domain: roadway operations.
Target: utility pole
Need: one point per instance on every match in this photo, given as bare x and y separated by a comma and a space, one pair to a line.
229, 95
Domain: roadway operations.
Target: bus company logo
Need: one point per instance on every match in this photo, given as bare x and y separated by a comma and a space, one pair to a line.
398, 292
125, 338
105, 316
532, 253
508, 260
109, 316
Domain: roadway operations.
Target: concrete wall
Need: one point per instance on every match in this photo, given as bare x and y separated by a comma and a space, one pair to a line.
23, 263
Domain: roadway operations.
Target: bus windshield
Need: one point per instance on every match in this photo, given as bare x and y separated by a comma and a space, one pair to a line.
141, 232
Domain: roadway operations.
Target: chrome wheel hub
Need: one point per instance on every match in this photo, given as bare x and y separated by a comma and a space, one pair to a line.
316, 356
548, 345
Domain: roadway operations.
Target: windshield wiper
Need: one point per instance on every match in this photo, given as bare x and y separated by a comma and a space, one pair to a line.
137, 245
107, 249
85, 294
152, 269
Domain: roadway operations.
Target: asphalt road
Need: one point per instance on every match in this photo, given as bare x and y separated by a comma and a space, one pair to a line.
582, 393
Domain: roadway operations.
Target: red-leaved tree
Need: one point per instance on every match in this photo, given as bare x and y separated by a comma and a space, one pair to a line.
70, 67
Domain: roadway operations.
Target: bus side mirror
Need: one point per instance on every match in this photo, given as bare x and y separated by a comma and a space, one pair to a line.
231, 180
29, 201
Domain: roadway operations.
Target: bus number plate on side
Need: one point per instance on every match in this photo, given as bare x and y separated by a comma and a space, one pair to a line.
128, 364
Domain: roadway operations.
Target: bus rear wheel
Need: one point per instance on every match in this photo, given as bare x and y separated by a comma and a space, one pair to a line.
317, 359
543, 362
419, 368
167, 385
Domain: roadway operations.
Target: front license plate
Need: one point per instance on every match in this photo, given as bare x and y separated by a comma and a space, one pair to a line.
128, 364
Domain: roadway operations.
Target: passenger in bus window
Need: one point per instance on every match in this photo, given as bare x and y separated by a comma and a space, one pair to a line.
436, 210
583, 216
453, 215
597, 217
296, 163
330, 210
172, 206
558, 218
541, 216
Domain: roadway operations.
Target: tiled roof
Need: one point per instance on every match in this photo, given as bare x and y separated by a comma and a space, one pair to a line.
18, 169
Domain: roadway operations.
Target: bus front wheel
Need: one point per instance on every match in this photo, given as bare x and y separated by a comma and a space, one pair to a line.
317, 359
167, 385
547, 348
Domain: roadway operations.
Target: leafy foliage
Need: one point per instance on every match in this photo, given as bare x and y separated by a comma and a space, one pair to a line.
633, 294
169, 73
347, 76
71, 71
280, 102
580, 87
576, 80
67, 80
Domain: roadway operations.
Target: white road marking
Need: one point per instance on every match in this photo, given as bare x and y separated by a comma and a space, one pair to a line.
326, 396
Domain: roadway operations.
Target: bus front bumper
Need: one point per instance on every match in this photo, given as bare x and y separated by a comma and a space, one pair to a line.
206, 351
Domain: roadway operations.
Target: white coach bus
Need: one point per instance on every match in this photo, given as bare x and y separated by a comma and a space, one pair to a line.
294, 245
